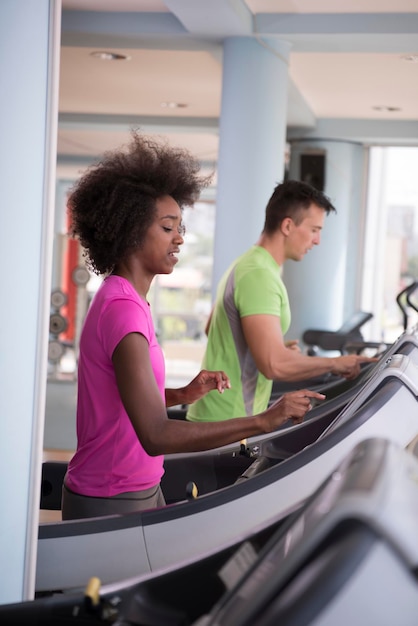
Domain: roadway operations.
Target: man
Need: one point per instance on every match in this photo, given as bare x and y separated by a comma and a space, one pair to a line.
251, 313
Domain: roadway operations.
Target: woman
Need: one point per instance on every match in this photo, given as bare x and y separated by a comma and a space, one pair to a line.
127, 213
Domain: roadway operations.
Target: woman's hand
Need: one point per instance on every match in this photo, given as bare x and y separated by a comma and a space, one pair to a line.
204, 382
290, 406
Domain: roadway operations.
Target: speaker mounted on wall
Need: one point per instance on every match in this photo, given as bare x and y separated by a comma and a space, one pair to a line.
312, 169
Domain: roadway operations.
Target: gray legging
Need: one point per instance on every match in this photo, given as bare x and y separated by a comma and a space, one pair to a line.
76, 506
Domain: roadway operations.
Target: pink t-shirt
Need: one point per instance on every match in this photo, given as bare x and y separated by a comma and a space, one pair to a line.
110, 459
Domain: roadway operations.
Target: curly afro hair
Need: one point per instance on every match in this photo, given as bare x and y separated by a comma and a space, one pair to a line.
112, 206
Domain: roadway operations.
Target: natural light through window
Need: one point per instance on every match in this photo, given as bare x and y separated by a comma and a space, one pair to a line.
391, 251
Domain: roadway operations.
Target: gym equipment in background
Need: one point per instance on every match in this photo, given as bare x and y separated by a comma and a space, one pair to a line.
349, 332
58, 324
349, 339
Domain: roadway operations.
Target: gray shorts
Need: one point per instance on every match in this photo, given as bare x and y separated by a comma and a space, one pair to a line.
76, 506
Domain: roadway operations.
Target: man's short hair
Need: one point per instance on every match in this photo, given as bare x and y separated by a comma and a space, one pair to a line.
291, 199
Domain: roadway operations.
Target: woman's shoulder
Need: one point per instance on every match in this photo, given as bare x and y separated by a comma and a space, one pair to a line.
118, 288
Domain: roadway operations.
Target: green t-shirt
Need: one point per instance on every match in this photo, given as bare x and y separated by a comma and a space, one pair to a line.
251, 286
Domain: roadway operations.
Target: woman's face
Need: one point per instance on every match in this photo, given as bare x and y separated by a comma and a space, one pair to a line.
162, 242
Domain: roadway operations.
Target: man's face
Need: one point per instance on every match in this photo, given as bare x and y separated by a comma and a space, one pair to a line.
300, 238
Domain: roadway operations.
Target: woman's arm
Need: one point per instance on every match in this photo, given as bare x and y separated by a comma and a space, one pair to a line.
160, 435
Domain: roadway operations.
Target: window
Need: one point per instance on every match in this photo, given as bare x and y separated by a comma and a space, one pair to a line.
181, 301
391, 254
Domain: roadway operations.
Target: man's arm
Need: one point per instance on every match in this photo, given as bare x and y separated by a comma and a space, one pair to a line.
275, 361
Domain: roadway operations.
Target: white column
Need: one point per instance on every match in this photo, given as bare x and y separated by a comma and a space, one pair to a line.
324, 288
251, 144
29, 44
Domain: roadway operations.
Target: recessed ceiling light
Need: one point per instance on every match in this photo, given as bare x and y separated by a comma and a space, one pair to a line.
109, 56
410, 58
386, 108
173, 105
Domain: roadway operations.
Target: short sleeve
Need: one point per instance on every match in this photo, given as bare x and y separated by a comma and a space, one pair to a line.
258, 293
119, 318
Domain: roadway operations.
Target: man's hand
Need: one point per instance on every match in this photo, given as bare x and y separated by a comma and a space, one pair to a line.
293, 344
349, 366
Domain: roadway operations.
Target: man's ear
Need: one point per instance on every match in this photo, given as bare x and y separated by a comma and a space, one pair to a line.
286, 225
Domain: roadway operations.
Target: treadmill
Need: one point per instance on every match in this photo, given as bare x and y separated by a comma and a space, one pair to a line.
214, 469
274, 484
348, 555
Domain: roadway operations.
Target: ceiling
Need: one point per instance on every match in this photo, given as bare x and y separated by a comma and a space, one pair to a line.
353, 70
